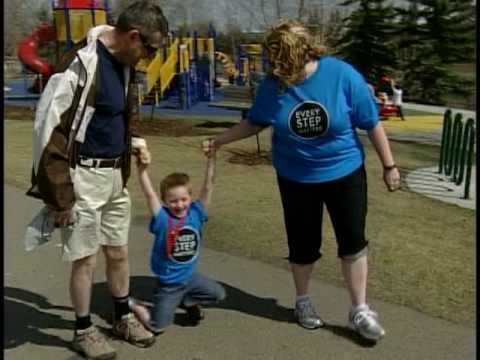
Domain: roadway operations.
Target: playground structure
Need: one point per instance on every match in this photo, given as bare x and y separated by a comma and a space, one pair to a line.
251, 63
71, 21
183, 71
228, 66
457, 149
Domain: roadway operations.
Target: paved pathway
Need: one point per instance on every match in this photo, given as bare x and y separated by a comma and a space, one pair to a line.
439, 109
254, 323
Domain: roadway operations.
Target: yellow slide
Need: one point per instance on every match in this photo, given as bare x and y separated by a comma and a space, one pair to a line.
159, 70
227, 63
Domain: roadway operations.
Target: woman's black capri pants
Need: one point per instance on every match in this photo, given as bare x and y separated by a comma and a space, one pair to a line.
346, 202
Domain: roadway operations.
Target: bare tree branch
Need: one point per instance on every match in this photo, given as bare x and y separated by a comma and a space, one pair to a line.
301, 9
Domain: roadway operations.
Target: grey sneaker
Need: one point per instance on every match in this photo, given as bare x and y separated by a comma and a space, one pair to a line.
129, 328
92, 344
365, 322
306, 315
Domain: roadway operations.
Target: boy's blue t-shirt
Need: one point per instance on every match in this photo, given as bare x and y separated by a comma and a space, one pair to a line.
314, 123
179, 266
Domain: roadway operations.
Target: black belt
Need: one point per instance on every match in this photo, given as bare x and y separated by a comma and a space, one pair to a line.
99, 163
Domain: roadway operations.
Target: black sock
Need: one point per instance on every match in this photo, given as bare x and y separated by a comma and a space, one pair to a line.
82, 322
121, 306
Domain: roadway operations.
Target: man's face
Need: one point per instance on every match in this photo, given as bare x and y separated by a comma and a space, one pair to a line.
140, 46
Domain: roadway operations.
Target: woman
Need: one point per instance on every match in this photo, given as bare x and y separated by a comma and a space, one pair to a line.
314, 103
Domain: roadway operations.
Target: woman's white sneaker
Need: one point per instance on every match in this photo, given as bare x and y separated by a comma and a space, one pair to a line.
364, 321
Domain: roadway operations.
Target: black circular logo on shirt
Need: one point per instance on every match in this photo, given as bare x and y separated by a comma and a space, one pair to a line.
308, 120
186, 245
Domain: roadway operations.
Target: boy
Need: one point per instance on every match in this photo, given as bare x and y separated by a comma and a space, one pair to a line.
177, 226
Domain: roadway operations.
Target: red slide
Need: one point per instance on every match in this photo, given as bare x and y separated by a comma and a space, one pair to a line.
27, 49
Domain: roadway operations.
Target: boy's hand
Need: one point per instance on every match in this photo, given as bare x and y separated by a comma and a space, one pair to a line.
208, 147
144, 158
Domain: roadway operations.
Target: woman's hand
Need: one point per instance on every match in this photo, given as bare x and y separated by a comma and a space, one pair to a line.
391, 177
209, 147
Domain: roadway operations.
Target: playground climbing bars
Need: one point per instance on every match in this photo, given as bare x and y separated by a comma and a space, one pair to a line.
456, 150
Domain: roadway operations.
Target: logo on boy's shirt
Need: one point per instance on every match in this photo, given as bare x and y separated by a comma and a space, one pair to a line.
308, 120
186, 245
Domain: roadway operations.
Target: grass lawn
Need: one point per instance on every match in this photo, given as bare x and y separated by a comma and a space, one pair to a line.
422, 252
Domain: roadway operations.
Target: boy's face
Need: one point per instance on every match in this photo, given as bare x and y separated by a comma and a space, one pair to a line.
178, 200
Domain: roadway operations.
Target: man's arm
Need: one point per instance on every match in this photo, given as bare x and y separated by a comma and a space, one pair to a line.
51, 179
207, 187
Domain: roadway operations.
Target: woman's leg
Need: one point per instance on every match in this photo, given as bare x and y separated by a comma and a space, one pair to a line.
355, 272
303, 211
301, 277
347, 206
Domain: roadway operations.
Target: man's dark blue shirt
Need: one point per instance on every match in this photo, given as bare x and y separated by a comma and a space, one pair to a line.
105, 136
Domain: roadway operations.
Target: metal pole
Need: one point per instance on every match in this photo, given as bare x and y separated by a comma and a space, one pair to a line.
470, 124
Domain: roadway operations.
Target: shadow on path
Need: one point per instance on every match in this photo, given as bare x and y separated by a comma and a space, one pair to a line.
27, 316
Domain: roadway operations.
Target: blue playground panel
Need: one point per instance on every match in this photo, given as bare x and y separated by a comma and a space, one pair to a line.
20, 96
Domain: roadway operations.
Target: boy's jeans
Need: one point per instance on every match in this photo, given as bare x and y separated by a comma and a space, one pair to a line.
199, 290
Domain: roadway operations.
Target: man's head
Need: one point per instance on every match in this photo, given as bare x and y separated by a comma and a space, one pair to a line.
176, 193
142, 29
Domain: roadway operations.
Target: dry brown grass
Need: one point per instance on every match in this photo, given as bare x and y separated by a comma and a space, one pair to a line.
422, 250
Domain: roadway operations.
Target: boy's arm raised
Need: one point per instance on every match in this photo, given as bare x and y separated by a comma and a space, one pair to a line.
147, 188
207, 187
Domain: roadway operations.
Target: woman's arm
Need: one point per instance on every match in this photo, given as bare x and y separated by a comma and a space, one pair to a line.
240, 131
391, 175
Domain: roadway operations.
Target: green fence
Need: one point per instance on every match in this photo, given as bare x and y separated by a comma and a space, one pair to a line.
456, 151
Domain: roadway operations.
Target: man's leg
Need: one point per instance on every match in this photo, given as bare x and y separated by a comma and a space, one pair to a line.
125, 325
81, 284
118, 277
87, 339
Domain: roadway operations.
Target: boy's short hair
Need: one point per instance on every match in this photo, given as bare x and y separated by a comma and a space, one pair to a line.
174, 180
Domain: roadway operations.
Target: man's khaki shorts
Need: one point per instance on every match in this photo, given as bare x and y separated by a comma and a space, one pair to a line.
102, 212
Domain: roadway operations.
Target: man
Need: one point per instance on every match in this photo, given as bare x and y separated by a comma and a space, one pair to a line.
84, 139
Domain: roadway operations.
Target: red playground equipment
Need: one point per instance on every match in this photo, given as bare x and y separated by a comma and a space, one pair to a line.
27, 49
389, 98
72, 20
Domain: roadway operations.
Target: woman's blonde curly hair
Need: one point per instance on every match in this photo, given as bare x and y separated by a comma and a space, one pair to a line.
289, 46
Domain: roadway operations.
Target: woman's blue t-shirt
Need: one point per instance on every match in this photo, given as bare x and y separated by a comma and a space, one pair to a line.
179, 266
314, 123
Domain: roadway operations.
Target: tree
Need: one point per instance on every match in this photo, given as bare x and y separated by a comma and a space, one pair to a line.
334, 30
436, 34
367, 43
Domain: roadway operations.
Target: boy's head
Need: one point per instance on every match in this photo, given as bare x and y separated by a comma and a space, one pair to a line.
176, 193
